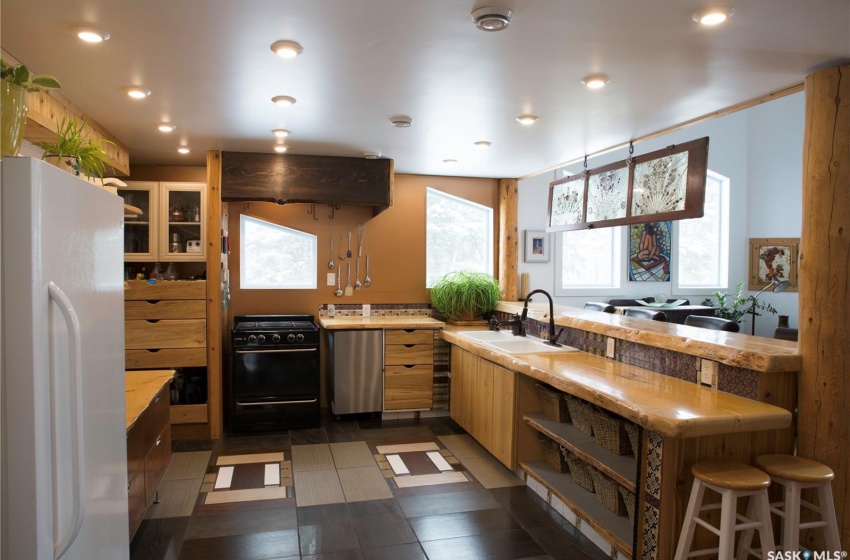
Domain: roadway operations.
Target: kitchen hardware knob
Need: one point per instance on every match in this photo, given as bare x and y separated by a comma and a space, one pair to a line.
261, 338
252, 338
275, 338
300, 338
291, 338
158, 441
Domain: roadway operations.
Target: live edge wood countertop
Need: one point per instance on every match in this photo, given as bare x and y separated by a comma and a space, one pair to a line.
659, 403
140, 388
393, 322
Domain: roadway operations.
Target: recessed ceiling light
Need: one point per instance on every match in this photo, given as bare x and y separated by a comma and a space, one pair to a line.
596, 81
166, 127
401, 121
280, 149
137, 92
482, 144
183, 150
91, 34
713, 15
526, 120
283, 100
450, 161
281, 132
371, 155
491, 19
287, 49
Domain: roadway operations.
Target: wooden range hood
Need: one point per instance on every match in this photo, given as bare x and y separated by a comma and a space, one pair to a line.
289, 178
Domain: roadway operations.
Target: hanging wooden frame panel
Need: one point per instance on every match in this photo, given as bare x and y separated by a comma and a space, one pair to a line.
667, 184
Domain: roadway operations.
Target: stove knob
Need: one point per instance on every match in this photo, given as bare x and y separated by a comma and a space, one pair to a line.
252, 338
275, 338
261, 338
300, 338
290, 338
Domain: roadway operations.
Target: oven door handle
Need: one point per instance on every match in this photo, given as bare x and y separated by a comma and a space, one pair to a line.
240, 403
281, 351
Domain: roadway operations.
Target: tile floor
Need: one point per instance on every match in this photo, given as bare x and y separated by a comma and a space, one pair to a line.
339, 499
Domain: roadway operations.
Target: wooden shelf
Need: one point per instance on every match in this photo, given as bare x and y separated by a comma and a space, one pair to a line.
189, 413
622, 468
617, 530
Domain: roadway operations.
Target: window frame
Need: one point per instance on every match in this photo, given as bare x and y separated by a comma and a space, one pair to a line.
617, 237
243, 285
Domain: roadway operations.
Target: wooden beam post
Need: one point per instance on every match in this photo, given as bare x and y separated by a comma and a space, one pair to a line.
215, 316
824, 384
508, 244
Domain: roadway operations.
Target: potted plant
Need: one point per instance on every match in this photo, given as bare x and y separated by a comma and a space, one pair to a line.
75, 151
735, 309
465, 296
15, 83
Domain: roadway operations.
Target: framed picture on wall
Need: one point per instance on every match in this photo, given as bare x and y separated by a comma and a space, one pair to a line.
649, 251
536, 246
773, 258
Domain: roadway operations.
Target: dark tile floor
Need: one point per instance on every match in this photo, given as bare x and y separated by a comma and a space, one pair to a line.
444, 522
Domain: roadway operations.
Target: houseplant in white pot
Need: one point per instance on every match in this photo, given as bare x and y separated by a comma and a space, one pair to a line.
74, 151
15, 83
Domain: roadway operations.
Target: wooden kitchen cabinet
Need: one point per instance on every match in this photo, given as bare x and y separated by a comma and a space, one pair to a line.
172, 218
408, 369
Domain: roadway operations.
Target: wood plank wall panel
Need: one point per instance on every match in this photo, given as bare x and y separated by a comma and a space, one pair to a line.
824, 388
508, 238
215, 331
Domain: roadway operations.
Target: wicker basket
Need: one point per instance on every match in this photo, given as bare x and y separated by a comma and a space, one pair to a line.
552, 453
610, 432
581, 414
629, 501
554, 405
633, 431
579, 470
608, 493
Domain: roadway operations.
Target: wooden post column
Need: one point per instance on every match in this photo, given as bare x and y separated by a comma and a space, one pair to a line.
824, 384
508, 240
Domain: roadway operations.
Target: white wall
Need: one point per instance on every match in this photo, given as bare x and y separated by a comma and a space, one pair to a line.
759, 149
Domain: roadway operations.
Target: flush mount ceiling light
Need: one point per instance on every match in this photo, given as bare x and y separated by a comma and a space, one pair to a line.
491, 19
91, 34
283, 100
166, 127
287, 49
450, 161
482, 144
526, 120
280, 149
401, 121
371, 155
137, 92
183, 150
713, 15
281, 132
595, 81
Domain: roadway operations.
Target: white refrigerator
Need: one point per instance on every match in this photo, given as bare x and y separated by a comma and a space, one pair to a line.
64, 447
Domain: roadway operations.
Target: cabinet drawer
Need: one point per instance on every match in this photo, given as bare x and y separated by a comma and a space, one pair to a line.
167, 358
408, 354
135, 500
165, 309
137, 449
408, 388
160, 410
411, 336
139, 289
157, 461
188, 333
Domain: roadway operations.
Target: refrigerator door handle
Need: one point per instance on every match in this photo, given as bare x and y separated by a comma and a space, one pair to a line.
75, 341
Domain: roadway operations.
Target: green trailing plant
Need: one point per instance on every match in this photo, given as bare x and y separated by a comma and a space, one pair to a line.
465, 295
72, 142
734, 307
21, 76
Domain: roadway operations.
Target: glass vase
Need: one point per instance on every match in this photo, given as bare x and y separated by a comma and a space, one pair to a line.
13, 117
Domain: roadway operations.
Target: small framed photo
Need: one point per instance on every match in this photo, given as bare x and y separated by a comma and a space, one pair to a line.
773, 258
536, 246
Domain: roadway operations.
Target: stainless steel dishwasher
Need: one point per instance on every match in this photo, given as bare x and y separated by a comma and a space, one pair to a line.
356, 371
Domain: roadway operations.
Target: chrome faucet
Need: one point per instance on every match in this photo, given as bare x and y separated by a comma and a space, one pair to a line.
515, 322
552, 336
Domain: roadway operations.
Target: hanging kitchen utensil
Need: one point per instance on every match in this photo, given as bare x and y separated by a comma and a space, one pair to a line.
341, 257
348, 290
338, 292
361, 233
367, 281
348, 254
357, 284
331, 264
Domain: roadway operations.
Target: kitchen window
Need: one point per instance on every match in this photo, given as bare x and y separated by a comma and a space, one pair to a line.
588, 261
274, 257
459, 236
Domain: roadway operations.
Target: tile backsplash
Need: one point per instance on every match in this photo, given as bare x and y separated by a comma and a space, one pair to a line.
377, 309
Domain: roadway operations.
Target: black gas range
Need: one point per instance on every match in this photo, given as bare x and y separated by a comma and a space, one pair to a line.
274, 373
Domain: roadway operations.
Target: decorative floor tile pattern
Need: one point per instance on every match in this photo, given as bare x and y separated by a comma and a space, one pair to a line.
352, 454
408, 447
252, 458
186, 466
490, 472
363, 483
245, 495
316, 457
463, 446
176, 499
314, 488
430, 479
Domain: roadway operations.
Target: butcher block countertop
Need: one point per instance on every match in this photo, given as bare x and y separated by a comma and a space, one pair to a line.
659, 403
735, 349
141, 387
393, 322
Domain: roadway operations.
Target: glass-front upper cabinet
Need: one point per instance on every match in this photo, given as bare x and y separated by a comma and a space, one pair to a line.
182, 230
140, 231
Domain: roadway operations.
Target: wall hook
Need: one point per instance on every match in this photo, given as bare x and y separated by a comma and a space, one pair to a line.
334, 208
312, 211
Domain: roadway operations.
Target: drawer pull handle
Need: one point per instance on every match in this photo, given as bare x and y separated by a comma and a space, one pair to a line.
158, 440
242, 403
409, 330
156, 399
152, 301
153, 350
408, 367
153, 320
409, 345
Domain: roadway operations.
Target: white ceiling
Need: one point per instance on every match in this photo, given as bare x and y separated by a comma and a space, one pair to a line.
212, 73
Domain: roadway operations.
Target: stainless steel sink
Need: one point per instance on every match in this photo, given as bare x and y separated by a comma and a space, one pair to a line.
505, 342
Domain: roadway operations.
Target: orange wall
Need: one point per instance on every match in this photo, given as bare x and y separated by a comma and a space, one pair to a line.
395, 241
172, 173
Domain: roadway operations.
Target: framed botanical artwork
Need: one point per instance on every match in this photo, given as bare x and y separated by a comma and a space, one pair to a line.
536, 246
773, 258
649, 251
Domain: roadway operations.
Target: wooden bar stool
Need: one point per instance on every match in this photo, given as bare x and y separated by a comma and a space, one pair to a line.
731, 481
796, 474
